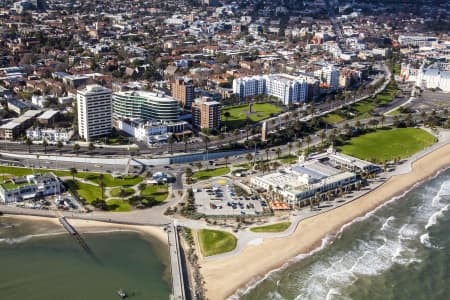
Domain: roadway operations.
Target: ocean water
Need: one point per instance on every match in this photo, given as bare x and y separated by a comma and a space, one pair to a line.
39, 260
400, 251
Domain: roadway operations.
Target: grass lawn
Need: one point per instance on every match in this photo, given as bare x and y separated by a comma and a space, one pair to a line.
84, 190
115, 192
206, 174
117, 205
288, 159
384, 145
214, 242
159, 192
19, 171
109, 180
243, 166
238, 114
333, 118
278, 227
394, 112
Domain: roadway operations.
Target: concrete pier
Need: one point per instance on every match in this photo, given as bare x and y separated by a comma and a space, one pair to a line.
176, 266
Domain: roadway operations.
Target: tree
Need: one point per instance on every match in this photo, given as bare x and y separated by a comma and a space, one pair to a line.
198, 165
185, 141
278, 152
170, 141
227, 116
206, 140
317, 199
226, 158
308, 141
45, 144
73, 172
142, 186
122, 193
249, 157
290, 148
29, 142
91, 148
267, 150
101, 184
59, 145
322, 137
382, 119
76, 148
247, 129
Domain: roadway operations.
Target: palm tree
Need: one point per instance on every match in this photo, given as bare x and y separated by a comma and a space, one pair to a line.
323, 135
247, 129
206, 140
382, 119
317, 199
198, 165
73, 172
278, 152
29, 142
185, 141
76, 148
308, 141
122, 193
91, 148
290, 148
45, 144
141, 187
249, 157
59, 145
101, 184
227, 116
267, 150
171, 140
226, 158
299, 144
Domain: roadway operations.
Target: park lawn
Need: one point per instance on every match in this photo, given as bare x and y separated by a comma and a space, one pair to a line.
278, 227
115, 192
20, 171
384, 145
288, 159
109, 180
206, 174
117, 205
238, 114
84, 190
394, 112
397, 69
243, 166
214, 242
333, 118
159, 192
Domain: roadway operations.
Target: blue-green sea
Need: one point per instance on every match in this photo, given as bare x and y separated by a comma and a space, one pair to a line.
39, 260
401, 251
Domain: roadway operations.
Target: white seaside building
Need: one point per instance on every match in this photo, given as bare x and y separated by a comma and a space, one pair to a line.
319, 174
288, 89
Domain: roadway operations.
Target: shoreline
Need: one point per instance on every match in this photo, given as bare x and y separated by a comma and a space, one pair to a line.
90, 226
225, 277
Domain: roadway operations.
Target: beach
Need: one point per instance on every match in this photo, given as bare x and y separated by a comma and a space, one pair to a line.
224, 276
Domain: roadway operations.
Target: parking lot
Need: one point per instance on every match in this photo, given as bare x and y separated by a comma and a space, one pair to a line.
221, 197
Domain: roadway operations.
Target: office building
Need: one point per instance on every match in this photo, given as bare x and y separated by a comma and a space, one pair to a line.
183, 90
287, 89
145, 105
206, 113
417, 40
94, 111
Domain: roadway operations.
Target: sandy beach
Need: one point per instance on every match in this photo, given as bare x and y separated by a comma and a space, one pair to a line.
225, 276
84, 226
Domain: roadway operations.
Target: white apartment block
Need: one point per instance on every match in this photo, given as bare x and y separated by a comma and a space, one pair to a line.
417, 40
287, 89
329, 75
94, 111
50, 135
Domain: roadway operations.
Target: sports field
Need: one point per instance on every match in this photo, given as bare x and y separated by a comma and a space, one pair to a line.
389, 144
